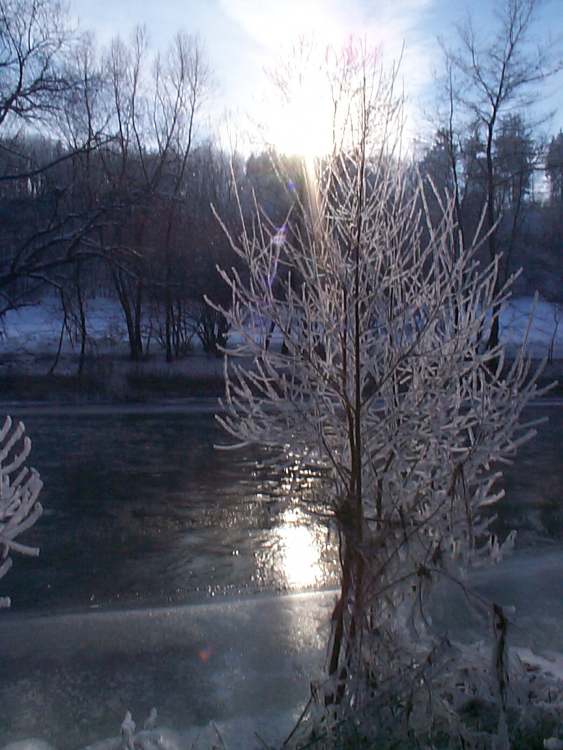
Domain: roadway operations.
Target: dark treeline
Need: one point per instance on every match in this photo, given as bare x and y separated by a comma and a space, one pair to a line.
110, 186
528, 205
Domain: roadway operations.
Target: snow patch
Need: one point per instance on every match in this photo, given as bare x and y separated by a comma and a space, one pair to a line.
36, 328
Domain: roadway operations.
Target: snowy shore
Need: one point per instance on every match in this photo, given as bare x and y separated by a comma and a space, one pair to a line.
244, 664
29, 338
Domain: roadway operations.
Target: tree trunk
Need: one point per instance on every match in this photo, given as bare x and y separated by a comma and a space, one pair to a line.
492, 241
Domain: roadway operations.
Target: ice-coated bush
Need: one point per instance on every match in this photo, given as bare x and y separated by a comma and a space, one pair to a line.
384, 380
19, 489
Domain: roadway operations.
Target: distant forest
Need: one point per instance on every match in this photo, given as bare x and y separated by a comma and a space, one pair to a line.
110, 184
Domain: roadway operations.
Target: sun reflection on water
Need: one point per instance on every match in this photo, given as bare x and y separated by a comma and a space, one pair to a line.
300, 556
299, 552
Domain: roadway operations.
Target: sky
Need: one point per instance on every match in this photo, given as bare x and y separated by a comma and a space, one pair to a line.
244, 39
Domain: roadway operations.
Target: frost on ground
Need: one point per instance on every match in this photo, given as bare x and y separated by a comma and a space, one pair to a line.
245, 733
536, 696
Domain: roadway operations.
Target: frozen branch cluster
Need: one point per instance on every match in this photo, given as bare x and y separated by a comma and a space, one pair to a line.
382, 377
19, 490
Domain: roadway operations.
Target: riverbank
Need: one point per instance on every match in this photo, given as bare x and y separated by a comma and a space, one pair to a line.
115, 379
232, 674
112, 378
244, 664
37, 365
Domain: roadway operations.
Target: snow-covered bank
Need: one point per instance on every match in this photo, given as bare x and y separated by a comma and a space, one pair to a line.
545, 337
35, 329
29, 338
188, 406
234, 672
31, 369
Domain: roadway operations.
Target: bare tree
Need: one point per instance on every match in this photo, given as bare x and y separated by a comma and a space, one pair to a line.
488, 77
554, 168
46, 90
212, 177
381, 383
180, 87
34, 36
127, 169
154, 110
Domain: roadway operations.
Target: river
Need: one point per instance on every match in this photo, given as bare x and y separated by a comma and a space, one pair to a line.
141, 508
158, 550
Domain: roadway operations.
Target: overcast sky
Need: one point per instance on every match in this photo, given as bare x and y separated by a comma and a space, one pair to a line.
243, 38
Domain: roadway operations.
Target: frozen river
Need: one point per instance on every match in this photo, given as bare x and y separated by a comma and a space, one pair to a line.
141, 509
153, 546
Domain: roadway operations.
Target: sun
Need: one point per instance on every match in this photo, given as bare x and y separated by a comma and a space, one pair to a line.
298, 117
300, 123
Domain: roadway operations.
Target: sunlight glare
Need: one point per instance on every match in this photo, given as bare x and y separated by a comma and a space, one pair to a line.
300, 120
300, 555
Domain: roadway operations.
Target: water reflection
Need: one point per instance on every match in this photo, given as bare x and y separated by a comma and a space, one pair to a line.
300, 552
140, 508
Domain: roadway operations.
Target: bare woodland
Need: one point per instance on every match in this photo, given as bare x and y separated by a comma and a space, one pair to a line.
366, 299
108, 170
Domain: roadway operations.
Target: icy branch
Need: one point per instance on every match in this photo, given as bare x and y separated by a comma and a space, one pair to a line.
19, 490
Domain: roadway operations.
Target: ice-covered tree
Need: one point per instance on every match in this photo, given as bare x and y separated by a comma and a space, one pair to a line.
19, 490
380, 380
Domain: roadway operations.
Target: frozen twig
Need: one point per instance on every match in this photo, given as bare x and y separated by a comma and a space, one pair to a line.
19, 490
